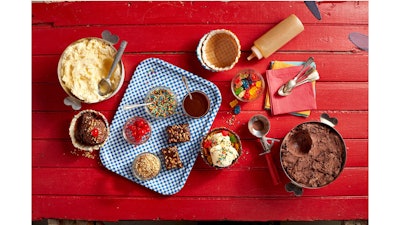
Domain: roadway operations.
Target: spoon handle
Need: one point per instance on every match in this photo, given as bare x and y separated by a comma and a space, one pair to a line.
117, 58
187, 86
305, 67
136, 105
311, 77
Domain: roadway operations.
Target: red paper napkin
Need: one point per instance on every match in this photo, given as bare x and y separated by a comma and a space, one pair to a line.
301, 98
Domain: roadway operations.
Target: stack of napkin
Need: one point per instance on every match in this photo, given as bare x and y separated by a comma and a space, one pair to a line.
302, 99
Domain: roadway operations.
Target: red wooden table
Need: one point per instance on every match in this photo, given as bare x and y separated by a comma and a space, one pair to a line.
68, 184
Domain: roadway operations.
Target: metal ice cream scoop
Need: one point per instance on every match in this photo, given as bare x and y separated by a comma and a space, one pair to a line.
105, 84
259, 126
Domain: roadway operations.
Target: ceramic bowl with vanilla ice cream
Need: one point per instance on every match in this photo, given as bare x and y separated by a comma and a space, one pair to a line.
221, 148
83, 64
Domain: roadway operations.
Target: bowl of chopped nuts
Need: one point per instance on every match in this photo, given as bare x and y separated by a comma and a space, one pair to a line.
146, 166
163, 102
221, 148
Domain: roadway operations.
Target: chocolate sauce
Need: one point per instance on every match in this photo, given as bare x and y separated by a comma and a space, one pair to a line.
258, 125
197, 106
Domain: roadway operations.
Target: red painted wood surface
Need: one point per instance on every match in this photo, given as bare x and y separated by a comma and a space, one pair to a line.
68, 185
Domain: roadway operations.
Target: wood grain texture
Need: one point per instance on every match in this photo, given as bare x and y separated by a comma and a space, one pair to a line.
194, 13
185, 38
240, 209
71, 184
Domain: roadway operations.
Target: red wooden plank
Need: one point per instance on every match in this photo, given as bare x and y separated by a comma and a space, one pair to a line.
330, 96
342, 96
61, 154
332, 67
85, 13
200, 183
315, 38
351, 124
239, 209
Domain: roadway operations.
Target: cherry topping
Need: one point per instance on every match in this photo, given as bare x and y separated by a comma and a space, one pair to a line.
95, 132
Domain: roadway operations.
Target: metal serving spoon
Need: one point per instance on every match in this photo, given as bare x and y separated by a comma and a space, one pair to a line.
285, 89
313, 76
105, 84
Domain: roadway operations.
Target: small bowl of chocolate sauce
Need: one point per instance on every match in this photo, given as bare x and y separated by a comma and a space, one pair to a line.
196, 107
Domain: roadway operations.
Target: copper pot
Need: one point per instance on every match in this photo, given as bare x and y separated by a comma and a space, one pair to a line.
312, 155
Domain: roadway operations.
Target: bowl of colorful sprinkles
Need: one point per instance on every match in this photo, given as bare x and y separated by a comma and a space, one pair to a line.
247, 85
221, 148
164, 102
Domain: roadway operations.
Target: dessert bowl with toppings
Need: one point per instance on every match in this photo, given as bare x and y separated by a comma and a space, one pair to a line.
89, 130
247, 85
81, 67
164, 102
221, 148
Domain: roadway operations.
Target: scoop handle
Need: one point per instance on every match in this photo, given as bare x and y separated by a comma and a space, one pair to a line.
117, 58
272, 169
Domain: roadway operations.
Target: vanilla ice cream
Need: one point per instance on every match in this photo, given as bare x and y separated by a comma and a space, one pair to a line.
83, 64
222, 152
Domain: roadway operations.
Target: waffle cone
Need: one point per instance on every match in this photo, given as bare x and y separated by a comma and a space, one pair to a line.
220, 50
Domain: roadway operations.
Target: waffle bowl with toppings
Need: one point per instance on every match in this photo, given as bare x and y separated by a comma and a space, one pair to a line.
89, 130
221, 148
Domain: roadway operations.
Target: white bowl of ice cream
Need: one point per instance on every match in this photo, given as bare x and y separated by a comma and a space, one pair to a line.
83, 64
221, 148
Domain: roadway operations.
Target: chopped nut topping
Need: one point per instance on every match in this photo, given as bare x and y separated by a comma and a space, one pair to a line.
178, 133
146, 166
171, 157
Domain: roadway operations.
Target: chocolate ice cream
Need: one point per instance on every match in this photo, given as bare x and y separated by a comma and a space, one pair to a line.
313, 154
90, 129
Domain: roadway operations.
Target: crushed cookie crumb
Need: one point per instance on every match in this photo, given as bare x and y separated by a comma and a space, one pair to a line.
231, 120
86, 154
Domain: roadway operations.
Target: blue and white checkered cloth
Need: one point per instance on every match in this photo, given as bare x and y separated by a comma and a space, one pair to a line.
117, 154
